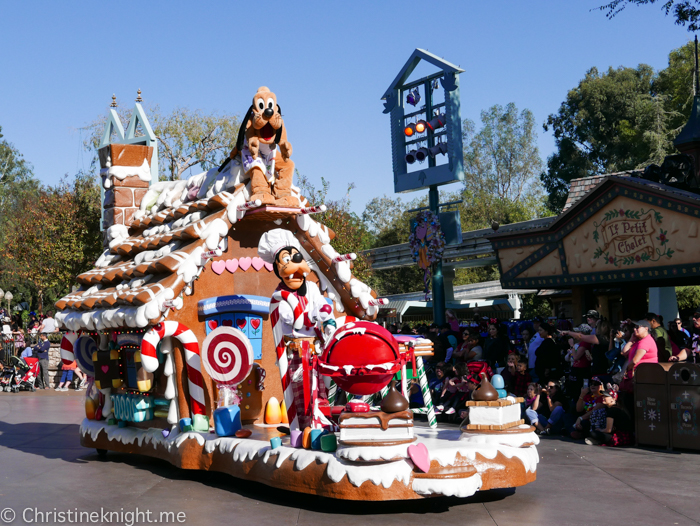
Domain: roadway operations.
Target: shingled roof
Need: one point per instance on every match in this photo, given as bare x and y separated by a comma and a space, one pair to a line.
580, 187
157, 258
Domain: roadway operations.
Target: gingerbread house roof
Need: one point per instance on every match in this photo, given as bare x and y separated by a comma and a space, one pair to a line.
180, 226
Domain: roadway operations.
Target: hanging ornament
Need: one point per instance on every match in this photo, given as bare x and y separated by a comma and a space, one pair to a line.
427, 243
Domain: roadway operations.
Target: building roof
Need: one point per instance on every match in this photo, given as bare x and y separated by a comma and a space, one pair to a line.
580, 187
151, 266
691, 131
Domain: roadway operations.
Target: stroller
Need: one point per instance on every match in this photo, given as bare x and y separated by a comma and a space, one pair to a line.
6, 378
25, 374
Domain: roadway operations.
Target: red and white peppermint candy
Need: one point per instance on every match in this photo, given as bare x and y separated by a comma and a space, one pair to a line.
67, 354
149, 358
227, 355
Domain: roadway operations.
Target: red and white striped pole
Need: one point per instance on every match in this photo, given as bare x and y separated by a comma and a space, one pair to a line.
345, 257
249, 205
313, 209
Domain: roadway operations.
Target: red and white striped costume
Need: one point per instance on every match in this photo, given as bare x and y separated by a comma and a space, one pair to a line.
149, 358
297, 316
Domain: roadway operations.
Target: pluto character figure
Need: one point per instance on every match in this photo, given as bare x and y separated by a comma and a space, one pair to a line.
265, 152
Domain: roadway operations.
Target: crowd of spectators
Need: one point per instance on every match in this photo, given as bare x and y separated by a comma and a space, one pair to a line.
27, 338
576, 381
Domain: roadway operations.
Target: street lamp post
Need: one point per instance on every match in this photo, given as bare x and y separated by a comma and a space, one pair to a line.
8, 297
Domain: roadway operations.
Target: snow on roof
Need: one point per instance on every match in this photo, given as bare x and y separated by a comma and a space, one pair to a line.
159, 256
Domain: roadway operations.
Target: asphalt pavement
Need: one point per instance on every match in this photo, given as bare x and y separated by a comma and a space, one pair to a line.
45, 470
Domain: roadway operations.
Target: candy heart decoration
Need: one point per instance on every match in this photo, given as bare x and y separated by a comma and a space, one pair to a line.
227, 323
212, 324
258, 263
268, 266
232, 265
241, 322
105, 368
255, 323
244, 263
218, 266
420, 457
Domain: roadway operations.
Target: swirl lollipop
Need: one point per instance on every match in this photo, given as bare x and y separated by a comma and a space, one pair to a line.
227, 356
83, 349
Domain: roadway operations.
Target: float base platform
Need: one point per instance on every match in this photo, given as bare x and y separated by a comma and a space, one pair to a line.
460, 463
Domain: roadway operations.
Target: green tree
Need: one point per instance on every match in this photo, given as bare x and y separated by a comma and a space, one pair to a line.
187, 139
600, 128
351, 234
686, 12
55, 237
502, 158
688, 298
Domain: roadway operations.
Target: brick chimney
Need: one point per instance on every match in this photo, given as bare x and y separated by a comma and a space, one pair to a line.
126, 176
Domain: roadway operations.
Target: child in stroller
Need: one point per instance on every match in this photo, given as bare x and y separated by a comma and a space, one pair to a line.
24, 374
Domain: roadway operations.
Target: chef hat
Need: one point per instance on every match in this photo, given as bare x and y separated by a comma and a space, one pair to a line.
275, 240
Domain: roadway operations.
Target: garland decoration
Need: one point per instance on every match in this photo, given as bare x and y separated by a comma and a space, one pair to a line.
427, 242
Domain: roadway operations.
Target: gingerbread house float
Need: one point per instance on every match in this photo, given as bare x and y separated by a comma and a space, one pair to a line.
180, 269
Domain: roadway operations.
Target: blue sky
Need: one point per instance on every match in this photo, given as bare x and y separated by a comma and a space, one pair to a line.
328, 62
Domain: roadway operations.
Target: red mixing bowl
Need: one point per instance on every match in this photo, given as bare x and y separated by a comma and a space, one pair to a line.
361, 357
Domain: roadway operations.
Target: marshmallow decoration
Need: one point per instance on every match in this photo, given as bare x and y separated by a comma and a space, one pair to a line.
149, 358
227, 355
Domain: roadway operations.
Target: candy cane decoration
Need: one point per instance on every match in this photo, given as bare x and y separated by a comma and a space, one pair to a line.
249, 205
282, 359
425, 391
149, 358
378, 301
345, 257
313, 210
67, 353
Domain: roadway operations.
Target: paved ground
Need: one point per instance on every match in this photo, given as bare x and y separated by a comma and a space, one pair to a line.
43, 466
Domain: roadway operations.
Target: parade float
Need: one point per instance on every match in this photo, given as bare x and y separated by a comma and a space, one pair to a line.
220, 325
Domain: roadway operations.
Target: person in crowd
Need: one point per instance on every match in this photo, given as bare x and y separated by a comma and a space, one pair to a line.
41, 351
473, 350
522, 377
449, 340
67, 376
48, 325
454, 391
393, 328
547, 364
472, 383
599, 341
525, 337
547, 411
532, 393
28, 352
589, 399
436, 381
20, 344
452, 320
592, 318
581, 357
618, 340
619, 428
690, 354
496, 345
640, 349
660, 335
680, 337
462, 351
534, 344
508, 373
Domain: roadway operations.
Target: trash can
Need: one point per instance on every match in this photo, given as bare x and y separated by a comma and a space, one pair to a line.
684, 398
651, 404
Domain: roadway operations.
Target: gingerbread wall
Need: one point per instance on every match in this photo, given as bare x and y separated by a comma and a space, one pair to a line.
242, 243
